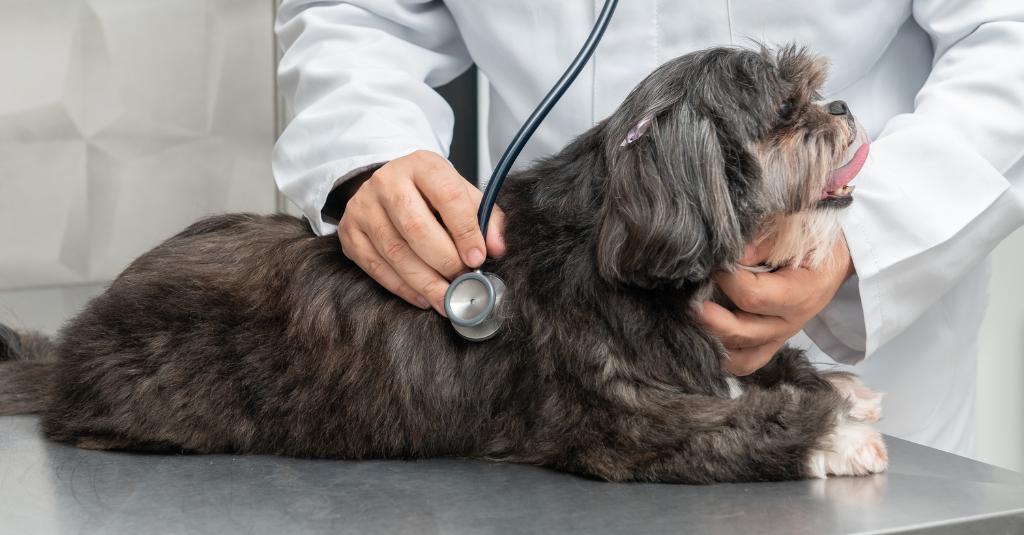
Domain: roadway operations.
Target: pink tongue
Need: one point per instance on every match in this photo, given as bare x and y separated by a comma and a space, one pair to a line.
842, 176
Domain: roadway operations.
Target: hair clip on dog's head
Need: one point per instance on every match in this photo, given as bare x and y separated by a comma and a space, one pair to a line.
637, 131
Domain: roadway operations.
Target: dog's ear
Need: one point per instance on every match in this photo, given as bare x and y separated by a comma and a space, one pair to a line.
667, 216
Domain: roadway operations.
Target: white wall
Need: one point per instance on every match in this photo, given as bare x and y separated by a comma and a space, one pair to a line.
1000, 407
123, 121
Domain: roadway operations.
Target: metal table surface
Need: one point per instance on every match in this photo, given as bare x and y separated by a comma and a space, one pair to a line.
52, 488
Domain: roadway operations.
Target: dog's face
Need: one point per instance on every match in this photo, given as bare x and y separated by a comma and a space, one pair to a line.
718, 148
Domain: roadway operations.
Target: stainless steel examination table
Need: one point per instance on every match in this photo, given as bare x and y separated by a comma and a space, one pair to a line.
52, 488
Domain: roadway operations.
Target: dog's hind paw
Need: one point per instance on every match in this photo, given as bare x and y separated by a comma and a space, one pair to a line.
866, 404
853, 449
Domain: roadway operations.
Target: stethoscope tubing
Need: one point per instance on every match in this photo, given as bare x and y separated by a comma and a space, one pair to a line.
484, 325
526, 131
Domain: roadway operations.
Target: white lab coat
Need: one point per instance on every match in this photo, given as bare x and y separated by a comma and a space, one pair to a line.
939, 85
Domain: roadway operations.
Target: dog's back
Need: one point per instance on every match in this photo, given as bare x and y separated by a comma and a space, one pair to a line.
250, 334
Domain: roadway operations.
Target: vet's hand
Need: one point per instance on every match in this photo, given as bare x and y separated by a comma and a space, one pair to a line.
389, 228
772, 306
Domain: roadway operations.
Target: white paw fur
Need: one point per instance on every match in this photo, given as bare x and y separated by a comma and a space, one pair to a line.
854, 448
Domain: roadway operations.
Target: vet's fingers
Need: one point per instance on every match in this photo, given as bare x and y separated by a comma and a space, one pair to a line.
357, 247
758, 293
391, 246
748, 360
784, 292
411, 216
740, 329
451, 196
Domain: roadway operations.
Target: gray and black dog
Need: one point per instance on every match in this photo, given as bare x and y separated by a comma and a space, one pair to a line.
249, 334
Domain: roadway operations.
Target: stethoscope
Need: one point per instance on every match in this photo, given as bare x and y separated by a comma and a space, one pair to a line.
473, 300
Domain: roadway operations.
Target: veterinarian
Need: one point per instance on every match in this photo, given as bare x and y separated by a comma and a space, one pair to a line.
938, 84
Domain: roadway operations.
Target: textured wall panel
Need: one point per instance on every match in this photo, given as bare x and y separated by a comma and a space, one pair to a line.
121, 121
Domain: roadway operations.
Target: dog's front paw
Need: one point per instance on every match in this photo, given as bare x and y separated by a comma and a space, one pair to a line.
866, 404
853, 449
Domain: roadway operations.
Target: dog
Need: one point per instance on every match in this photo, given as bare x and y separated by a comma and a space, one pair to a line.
248, 334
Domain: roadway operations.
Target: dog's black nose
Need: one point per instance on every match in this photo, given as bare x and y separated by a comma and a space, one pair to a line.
838, 107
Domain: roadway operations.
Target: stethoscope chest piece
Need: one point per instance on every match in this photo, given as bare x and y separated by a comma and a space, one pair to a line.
472, 303
473, 300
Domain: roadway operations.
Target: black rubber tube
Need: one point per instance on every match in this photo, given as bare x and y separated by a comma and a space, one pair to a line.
526, 131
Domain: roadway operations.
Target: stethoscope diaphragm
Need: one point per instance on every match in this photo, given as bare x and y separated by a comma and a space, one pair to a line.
472, 303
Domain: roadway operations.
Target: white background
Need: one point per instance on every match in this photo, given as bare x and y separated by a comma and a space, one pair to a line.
1001, 361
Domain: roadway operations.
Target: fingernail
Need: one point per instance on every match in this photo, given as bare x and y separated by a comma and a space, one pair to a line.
422, 302
475, 257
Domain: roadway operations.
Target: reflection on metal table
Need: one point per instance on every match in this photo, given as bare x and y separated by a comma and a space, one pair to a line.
52, 488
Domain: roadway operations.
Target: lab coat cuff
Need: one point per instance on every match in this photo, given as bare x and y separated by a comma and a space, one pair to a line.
336, 173
839, 330
343, 190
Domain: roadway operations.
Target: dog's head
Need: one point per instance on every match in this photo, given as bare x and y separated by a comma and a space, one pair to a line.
718, 148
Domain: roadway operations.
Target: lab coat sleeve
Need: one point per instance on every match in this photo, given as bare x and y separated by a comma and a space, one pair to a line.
357, 78
932, 200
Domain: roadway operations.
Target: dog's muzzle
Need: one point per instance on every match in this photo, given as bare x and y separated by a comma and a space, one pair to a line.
838, 192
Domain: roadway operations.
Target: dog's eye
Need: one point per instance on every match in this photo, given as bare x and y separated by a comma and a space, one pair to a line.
786, 110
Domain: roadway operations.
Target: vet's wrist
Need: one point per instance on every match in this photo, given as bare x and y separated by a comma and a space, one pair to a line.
338, 198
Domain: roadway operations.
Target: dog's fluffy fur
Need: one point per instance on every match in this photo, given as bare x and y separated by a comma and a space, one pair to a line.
249, 334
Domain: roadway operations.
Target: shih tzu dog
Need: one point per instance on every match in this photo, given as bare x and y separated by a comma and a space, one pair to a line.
249, 334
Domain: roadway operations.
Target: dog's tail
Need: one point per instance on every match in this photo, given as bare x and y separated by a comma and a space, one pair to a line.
27, 364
